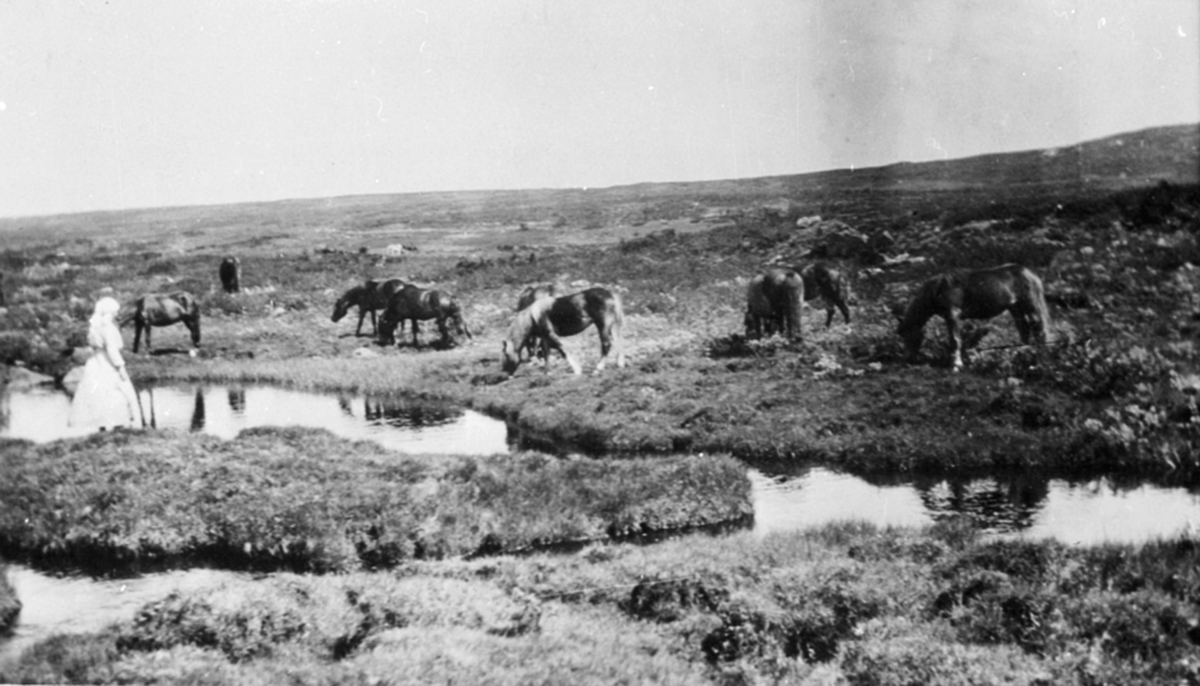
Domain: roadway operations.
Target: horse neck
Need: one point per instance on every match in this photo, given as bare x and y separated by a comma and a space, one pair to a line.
919, 311
521, 327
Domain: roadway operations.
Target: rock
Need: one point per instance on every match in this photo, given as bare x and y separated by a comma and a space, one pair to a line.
364, 353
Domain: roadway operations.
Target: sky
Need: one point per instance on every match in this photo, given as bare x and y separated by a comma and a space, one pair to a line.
115, 104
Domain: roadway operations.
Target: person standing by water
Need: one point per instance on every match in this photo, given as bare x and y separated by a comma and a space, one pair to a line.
105, 396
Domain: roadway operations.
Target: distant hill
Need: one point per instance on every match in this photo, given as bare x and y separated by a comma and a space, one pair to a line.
1004, 180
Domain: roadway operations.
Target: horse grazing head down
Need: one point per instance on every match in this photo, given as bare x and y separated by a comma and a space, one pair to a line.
911, 324
520, 332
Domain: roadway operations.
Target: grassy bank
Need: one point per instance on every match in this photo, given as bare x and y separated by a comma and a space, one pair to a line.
308, 501
844, 604
1116, 391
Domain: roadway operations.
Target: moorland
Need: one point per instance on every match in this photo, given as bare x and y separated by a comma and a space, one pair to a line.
415, 575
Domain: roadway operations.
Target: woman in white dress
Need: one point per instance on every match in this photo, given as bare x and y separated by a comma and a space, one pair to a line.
105, 396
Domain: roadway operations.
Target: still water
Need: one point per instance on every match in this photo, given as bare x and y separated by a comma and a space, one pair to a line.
40, 415
1014, 505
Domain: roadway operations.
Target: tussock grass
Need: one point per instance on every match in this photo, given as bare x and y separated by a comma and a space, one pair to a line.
846, 603
306, 500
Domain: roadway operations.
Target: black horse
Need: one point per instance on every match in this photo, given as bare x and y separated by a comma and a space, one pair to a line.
159, 309
230, 272
421, 304
369, 297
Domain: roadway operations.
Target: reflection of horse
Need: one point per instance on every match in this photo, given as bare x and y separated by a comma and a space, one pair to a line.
230, 272
369, 297
237, 399
774, 301
547, 319
527, 298
402, 414
198, 412
157, 309
980, 294
830, 285
417, 305
1007, 503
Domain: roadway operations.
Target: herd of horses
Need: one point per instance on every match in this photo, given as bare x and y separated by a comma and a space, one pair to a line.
544, 316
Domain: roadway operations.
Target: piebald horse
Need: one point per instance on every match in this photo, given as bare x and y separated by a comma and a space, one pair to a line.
157, 309
547, 320
369, 297
979, 294
774, 302
421, 304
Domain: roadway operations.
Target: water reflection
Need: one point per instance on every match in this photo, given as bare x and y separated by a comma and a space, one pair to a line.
1078, 512
409, 427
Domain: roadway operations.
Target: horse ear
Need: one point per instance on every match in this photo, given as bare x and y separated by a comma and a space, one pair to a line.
898, 310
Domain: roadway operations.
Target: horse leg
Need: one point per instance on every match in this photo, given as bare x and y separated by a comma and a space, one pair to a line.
952, 329
1021, 319
362, 315
137, 334
146, 326
828, 316
416, 329
606, 345
845, 310
552, 341
193, 326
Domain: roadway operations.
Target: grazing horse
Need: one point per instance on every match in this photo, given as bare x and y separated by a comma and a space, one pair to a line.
980, 294
547, 319
369, 297
527, 298
774, 301
421, 304
230, 272
156, 309
822, 280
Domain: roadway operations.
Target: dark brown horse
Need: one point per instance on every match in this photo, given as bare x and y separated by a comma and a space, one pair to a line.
548, 319
230, 272
421, 304
980, 294
158, 309
827, 283
369, 297
774, 302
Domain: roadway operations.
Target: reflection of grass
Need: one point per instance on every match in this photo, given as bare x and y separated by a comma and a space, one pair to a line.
304, 499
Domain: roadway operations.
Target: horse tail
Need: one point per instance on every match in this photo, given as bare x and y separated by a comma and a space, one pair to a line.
618, 318
793, 286
1037, 302
134, 306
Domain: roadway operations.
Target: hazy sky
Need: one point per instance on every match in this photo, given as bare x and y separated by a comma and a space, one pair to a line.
136, 103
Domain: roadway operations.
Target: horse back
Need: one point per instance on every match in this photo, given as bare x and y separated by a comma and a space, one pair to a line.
534, 293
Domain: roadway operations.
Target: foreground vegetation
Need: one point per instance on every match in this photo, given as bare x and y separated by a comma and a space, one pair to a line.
844, 604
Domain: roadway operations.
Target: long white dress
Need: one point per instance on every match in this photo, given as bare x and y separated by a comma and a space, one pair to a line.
104, 399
